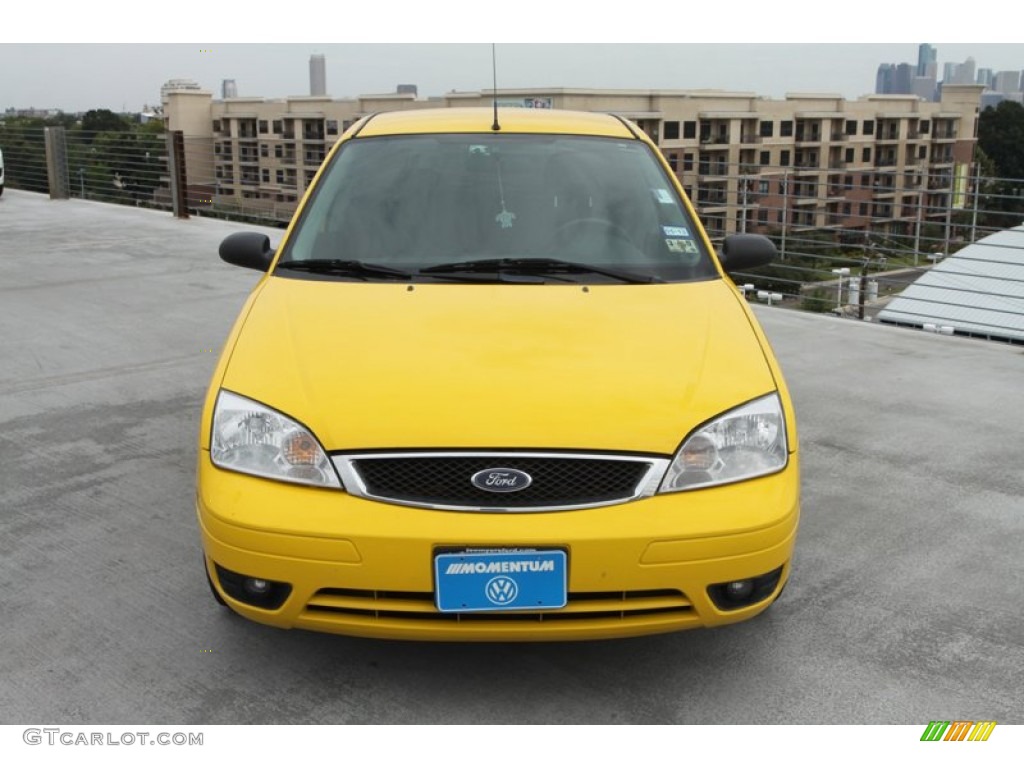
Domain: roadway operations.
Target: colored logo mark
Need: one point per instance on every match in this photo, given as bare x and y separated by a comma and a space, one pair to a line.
958, 730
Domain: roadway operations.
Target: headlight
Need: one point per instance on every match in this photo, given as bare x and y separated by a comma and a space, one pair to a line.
746, 442
252, 438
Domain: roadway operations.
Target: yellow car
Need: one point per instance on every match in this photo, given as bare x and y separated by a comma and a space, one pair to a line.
496, 385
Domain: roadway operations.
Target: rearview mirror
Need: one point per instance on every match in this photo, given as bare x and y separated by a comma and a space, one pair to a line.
741, 252
247, 249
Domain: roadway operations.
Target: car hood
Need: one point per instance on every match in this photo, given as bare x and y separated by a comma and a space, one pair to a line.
393, 365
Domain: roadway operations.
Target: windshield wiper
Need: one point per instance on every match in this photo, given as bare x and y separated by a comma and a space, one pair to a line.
347, 267
524, 266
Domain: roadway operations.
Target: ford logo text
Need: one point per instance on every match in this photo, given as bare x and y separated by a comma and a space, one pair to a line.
501, 480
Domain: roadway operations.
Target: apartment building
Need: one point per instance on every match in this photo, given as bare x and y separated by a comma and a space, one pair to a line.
809, 161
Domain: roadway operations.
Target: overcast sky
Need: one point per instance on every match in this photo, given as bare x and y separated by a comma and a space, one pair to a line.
57, 71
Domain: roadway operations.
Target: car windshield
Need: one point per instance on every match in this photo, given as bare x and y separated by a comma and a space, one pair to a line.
523, 203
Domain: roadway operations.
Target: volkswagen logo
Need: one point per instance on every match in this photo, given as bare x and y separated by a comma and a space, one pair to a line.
501, 590
501, 480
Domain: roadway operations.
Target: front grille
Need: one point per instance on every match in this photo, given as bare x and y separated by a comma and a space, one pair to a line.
557, 481
419, 606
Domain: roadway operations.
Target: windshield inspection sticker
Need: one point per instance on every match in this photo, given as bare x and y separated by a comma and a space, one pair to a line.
662, 196
681, 246
676, 231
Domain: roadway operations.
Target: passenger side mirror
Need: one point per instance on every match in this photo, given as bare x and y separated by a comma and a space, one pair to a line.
247, 249
740, 252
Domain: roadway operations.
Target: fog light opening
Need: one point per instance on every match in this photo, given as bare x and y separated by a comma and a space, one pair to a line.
740, 593
253, 590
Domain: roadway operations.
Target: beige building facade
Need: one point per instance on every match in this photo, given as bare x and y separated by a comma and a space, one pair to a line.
809, 161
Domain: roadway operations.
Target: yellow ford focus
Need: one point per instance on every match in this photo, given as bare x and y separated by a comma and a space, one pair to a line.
496, 385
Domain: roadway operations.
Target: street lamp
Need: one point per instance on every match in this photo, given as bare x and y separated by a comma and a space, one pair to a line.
841, 272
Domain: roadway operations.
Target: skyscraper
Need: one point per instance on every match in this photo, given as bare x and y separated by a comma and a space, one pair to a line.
1007, 81
228, 89
927, 60
317, 75
883, 79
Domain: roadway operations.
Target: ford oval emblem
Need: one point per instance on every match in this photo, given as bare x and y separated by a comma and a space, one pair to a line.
501, 480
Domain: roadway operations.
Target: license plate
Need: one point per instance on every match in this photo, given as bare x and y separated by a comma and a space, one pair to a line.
500, 580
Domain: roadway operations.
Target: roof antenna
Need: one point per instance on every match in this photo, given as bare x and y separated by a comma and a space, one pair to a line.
494, 71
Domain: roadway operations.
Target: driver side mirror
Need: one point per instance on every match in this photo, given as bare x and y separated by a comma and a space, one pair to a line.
740, 252
247, 249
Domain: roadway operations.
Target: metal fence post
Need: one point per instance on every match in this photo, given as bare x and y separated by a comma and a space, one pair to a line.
176, 169
57, 163
785, 213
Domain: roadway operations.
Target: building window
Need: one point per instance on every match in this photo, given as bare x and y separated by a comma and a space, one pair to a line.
766, 157
848, 182
263, 126
278, 150
265, 175
847, 209
922, 152
332, 127
673, 161
851, 127
866, 155
216, 126
869, 127
762, 216
865, 180
671, 130
786, 129
863, 209
767, 128
690, 129
924, 126
264, 150
688, 161
762, 186
849, 154
784, 158
280, 176
277, 127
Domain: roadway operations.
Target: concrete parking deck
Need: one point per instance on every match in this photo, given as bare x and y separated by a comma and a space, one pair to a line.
904, 607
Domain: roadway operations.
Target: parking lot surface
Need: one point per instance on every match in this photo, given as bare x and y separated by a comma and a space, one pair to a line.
904, 606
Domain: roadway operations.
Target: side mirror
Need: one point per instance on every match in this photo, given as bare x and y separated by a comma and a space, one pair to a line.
740, 252
247, 249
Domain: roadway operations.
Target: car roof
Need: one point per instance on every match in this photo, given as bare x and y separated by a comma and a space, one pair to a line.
481, 119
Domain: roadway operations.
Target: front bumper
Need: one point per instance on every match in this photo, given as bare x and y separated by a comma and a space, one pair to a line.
360, 567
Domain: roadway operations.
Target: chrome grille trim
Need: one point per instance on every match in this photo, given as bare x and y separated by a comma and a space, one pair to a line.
354, 485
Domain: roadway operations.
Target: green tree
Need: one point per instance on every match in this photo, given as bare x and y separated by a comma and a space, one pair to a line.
97, 121
1001, 138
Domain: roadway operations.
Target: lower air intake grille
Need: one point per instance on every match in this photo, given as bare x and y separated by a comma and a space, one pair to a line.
419, 606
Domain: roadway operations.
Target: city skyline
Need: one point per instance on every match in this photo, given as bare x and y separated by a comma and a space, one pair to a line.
75, 77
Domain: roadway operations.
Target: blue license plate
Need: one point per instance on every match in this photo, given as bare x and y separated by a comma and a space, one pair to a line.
500, 580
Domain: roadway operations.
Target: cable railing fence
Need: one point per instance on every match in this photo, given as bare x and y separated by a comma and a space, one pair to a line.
850, 237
